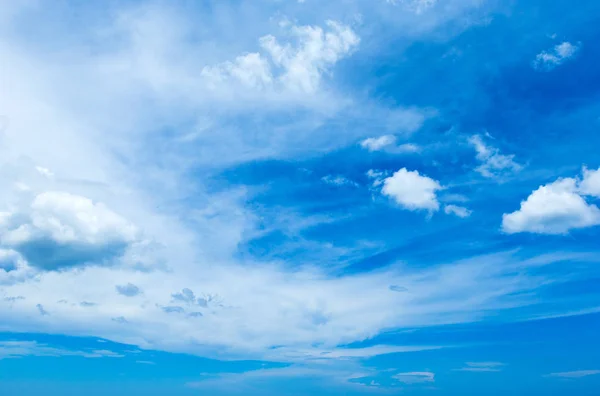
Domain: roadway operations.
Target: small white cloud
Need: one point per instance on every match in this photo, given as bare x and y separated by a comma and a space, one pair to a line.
44, 171
493, 164
574, 374
411, 190
416, 6
388, 143
338, 181
482, 367
415, 377
377, 144
554, 208
548, 60
456, 210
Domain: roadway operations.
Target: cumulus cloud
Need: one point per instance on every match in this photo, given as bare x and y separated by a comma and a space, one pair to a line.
415, 377
556, 56
62, 230
456, 210
411, 190
493, 164
556, 208
590, 183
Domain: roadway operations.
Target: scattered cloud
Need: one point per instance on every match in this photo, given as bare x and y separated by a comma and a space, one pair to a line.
482, 367
556, 208
338, 181
456, 210
493, 164
41, 310
377, 144
574, 374
147, 362
559, 54
412, 191
415, 377
397, 288
173, 309
388, 143
128, 290
17, 349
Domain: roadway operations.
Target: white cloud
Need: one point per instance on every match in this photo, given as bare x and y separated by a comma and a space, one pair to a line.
590, 184
377, 144
456, 210
16, 349
416, 6
493, 164
338, 181
411, 190
554, 208
415, 377
62, 230
288, 68
388, 143
574, 374
560, 53
482, 367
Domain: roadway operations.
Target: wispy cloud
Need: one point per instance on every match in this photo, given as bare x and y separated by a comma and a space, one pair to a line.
482, 367
574, 374
17, 349
415, 377
493, 164
559, 54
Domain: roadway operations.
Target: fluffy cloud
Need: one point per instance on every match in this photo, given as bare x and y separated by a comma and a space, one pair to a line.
493, 164
61, 230
556, 208
287, 68
590, 184
456, 210
411, 190
548, 60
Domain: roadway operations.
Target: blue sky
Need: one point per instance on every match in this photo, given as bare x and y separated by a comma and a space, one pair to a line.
299, 197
